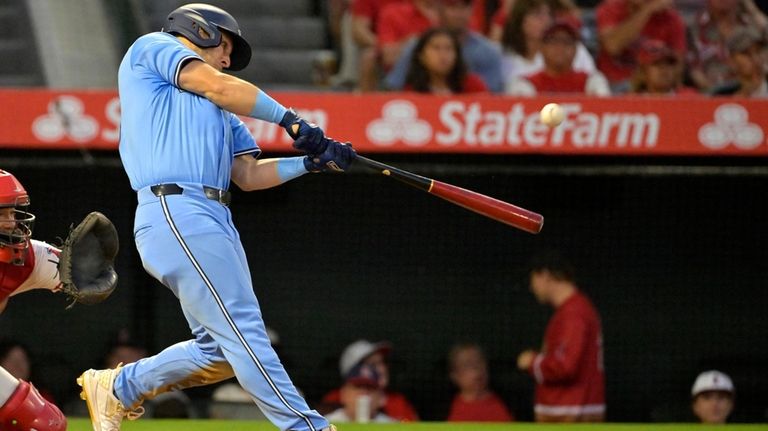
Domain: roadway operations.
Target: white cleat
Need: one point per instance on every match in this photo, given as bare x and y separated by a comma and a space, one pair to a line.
330, 428
105, 409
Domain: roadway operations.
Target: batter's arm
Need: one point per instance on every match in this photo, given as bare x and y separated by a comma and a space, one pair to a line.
225, 91
250, 173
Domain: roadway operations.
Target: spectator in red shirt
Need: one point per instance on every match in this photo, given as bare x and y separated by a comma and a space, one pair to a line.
658, 71
399, 22
437, 66
570, 381
558, 50
475, 401
364, 17
622, 25
363, 352
707, 57
522, 39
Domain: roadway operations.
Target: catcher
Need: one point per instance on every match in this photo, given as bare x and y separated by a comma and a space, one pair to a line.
82, 269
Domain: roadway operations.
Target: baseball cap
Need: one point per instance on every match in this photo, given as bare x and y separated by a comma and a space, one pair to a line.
712, 380
743, 38
653, 51
562, 24
358, 351
364, 375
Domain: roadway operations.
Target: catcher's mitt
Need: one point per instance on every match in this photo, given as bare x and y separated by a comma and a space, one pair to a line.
87, 256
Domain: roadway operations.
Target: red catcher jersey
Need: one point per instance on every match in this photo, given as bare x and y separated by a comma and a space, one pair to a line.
12, 276
569, 370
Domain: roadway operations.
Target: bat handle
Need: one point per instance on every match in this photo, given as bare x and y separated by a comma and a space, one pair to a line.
372, 164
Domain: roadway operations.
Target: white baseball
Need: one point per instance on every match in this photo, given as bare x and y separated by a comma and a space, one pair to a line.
552, 114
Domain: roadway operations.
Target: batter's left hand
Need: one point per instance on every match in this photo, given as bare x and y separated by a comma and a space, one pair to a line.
525, 360
337, 157
308, 137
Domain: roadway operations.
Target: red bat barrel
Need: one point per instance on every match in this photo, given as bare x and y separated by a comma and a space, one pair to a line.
504, 212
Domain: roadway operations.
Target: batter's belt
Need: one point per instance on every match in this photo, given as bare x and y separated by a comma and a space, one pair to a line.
223, 197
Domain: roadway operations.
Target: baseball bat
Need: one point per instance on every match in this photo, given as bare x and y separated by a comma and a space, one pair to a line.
495, 209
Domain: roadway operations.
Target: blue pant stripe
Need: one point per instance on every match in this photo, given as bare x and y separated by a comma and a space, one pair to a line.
239, 335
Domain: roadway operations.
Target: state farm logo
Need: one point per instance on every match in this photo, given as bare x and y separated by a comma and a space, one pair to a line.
473, 125
399, 122
731, 126
65, 118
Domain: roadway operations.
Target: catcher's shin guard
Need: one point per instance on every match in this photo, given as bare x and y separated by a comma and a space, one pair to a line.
27, 410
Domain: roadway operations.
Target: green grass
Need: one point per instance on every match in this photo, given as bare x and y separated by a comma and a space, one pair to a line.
218, 425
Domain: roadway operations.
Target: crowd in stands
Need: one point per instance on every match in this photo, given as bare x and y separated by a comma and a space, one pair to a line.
530, 47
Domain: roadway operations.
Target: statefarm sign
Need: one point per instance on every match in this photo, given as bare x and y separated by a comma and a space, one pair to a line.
406, 123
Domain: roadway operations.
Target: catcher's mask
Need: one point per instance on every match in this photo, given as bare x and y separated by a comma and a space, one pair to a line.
15, 221
202, 24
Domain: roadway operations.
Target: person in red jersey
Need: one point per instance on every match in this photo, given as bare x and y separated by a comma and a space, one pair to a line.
25, 264
475, 401
437, 66
622, 25
399, 22
570, 381
558, 49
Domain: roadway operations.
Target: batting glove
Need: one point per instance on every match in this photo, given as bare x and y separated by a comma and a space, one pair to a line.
307, 137
337, 157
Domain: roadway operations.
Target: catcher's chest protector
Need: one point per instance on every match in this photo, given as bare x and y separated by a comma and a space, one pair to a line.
11, 276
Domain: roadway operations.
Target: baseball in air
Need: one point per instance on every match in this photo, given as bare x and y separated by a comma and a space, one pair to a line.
552, 114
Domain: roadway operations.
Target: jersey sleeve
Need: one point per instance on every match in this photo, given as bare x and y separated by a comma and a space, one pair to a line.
163, 55
242, 140
45, 274
562, 358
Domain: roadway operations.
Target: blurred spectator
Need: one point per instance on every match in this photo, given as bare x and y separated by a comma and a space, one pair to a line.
359, 44
14, 357
562, 9
475, 401
481, 56
362, 397
124, 351
360, 352
707, 54
401, 21
437, 66
622, 25
522, 38
570, 382
558, 50
16, 360
747, 57
657, 71
713, 394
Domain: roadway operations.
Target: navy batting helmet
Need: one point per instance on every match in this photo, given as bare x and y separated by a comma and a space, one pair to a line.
202, 24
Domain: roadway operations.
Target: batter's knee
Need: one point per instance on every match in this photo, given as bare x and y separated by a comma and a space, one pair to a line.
27, 410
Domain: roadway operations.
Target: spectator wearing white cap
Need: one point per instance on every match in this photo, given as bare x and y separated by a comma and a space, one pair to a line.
361, 397
364, 352
713, 394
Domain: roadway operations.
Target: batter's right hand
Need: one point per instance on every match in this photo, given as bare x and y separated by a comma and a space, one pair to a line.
308, 137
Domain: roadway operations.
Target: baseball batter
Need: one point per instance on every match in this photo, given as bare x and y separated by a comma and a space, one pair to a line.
25, 264
181, 144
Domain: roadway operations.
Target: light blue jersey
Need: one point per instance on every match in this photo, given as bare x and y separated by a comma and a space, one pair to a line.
174, 146
169, 135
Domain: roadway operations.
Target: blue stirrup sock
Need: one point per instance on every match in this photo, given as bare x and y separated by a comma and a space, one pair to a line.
267, 108
289, 168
